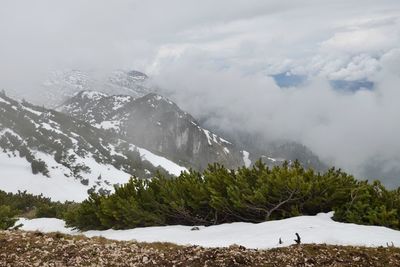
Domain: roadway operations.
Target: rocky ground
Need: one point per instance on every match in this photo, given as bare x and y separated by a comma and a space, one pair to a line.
18, 248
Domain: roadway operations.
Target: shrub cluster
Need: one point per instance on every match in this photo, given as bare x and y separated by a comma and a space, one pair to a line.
7, 217
23, 204
219, 195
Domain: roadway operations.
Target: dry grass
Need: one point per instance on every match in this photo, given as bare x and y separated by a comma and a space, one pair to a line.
18, 248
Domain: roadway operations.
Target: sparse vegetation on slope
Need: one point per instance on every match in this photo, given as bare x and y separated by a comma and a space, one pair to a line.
53, 142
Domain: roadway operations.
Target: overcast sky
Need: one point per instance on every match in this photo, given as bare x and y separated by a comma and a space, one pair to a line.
216, 57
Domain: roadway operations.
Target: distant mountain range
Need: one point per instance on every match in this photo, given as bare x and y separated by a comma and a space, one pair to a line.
59, 86
82, 139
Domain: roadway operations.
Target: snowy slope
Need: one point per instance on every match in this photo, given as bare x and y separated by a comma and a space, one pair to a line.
16, 174
70, 156
164, 163
320, 229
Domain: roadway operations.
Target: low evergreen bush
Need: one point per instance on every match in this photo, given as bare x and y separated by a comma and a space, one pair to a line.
7, 217
34, 206
256, 194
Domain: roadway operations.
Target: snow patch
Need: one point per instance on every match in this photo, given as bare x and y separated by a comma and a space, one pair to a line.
7, 130
93, 95
246, 158
2, 100
48, 127
120, 101
107, 125
224, 141
208, 135
156, 161
318, 229
33, 111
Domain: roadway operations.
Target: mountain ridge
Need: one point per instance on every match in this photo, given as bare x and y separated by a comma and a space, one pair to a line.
62, 151
157, 124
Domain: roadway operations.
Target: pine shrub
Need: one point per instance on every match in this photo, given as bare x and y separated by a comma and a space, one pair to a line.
256, 194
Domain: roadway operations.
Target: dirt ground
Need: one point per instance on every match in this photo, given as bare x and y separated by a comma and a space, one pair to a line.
18, 248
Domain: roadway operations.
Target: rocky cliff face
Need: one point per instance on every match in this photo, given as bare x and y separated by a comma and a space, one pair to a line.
157, 124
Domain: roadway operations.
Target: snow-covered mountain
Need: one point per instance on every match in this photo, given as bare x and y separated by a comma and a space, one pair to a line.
60, 85
44, 151
155, 123
124, 86
112, 127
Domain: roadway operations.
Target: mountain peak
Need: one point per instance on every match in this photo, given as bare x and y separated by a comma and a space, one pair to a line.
63, 84
140, 76
153, 97
90, 94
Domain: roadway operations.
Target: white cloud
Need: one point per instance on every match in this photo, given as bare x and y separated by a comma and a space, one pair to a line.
358, 67
346, 130
213, 58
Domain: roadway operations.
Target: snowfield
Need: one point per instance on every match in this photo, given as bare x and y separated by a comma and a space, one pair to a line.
319, 229
16, 175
